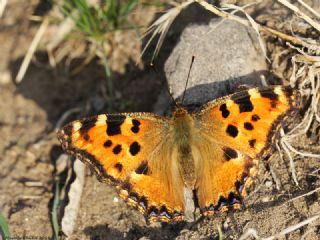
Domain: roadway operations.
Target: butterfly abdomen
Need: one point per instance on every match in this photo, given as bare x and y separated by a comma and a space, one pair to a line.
182, 128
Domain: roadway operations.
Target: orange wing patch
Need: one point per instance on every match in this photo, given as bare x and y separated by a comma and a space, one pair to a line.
122, 149
243, 126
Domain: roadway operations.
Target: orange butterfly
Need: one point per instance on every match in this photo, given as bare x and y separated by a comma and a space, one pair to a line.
163, 166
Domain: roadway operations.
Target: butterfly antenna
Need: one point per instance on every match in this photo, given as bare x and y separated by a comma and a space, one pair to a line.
167, 86
185, 87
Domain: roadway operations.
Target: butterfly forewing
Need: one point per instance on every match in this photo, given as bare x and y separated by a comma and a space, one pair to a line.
131, 151
237, 130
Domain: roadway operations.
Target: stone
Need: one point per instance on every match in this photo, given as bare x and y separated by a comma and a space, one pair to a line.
227, 56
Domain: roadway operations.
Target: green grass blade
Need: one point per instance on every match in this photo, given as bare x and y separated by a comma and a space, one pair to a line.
4, 227
54, 212
128, 7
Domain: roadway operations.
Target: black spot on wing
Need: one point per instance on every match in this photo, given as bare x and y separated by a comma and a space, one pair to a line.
252, 143
134, 148
255, 117
229, 153
224, 111
87, 124
68, 129
233, 199
243, 100
221, 203
248, 126
135, 128
143, 168
143, 203
273, 104
117, 149
153, 211
118, 166
114, 123
232, 130
239, 186
164, 212
86, 137
107, 143
126, 186
134, 196
270, 94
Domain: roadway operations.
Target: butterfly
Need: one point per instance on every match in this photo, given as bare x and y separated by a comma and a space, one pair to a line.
167, 166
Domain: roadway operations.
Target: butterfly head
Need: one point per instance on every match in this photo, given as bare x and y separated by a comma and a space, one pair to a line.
180, 111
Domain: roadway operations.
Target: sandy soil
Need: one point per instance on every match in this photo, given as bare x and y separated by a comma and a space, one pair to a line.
29, 112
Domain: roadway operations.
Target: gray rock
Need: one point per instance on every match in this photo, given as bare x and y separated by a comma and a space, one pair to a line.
227, 55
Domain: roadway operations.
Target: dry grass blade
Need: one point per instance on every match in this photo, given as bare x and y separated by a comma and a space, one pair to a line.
304, 154
275, 178
3, 4
254, 25
65, 27
31, 50
162, 25
245, 22
288, 148
220, 13
310, 9
303, 195
304, 124
253, 233
291, 162
309, 73
309, 20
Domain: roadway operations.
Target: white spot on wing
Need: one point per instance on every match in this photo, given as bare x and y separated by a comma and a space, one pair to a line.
280, 93
76, 126
254, 93
101, 120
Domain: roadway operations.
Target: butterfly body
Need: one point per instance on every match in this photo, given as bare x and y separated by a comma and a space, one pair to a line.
184, 134
165, 166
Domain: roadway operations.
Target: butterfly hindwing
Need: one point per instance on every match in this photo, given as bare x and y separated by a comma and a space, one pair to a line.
241, 127
130, 151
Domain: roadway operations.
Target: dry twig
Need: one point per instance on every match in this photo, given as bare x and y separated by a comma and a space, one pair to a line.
310, 9
303, 195
31, 50
302, 15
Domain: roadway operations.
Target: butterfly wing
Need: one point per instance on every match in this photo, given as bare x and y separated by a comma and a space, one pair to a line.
235, 132
124, 149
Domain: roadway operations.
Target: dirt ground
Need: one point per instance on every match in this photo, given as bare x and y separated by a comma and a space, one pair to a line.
29, 147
